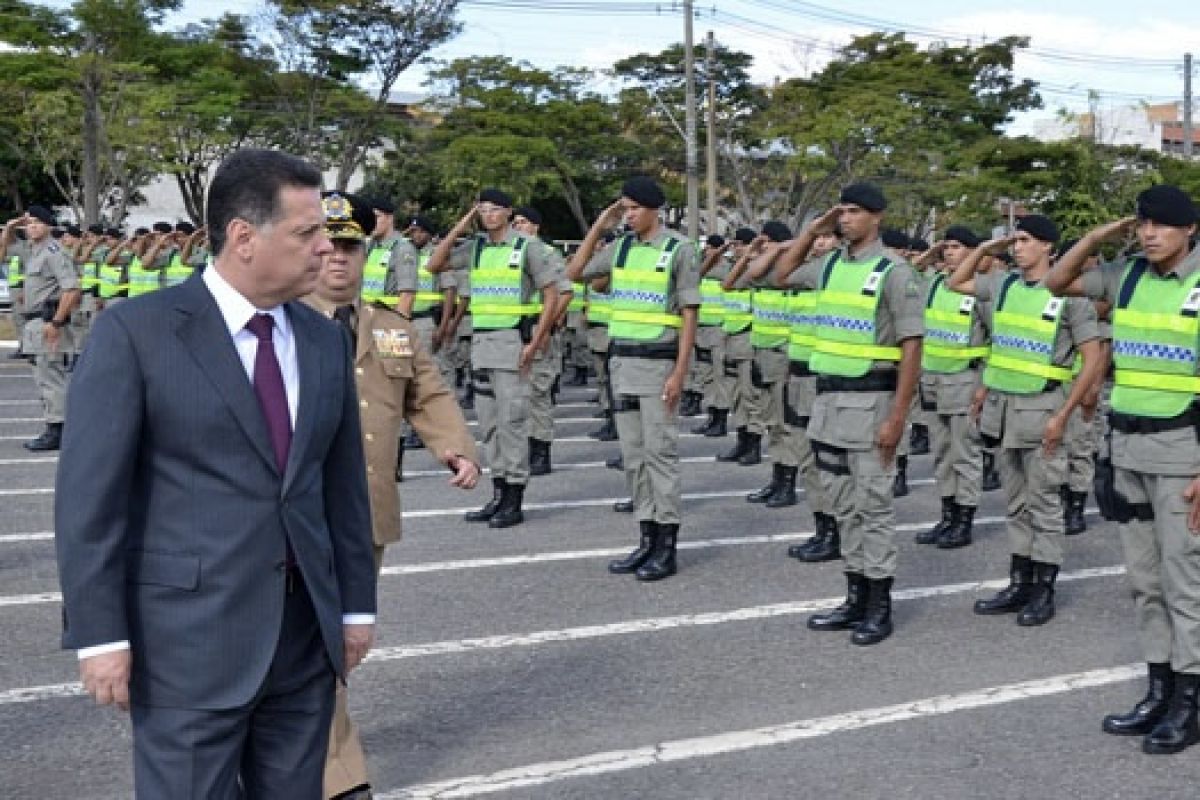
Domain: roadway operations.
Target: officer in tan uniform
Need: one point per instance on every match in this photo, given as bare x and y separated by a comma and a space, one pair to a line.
397, 380
867, 357
51, 295
1155, 423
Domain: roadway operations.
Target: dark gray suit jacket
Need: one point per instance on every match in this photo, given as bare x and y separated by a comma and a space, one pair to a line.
171, 516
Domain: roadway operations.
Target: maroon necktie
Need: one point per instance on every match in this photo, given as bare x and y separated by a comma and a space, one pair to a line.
268, 385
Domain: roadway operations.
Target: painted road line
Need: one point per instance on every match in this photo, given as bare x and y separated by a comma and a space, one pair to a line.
728, 742
12, 538
8, 462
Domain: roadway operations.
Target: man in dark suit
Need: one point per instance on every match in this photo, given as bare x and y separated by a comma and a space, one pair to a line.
212, 523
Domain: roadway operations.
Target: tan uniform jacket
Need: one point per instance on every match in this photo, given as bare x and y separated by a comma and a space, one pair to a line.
398, 380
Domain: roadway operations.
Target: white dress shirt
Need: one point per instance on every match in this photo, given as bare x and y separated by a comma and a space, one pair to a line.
236, 310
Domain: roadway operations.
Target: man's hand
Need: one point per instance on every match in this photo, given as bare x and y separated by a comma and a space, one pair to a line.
106, 678
1053, 433
465, 222
994, 247
1192, 495
612, 215
827, 222
466, 471
672, 389
888, 439
358, 640
977, 401
50, 337
1116, 231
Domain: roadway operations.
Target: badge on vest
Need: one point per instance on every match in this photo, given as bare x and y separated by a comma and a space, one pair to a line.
1192, 305
1053, 306
967, 305
393, 344
872, 284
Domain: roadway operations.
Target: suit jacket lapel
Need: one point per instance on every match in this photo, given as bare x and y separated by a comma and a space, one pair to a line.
203, 332
308, 358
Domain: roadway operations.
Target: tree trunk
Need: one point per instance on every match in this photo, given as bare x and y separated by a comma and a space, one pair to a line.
574, 201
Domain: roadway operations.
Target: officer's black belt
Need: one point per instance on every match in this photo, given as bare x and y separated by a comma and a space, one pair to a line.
597, 325
876, 381
798, 369
1129, 423
703, 356
1050, 386
423, 314
668, 351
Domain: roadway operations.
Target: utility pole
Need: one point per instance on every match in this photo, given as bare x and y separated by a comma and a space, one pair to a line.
710, 68
1187, 105
693, 168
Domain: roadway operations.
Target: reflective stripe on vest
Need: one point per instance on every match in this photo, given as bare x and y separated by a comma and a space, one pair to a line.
1024, 328
496, 286
599, 308
111, 284
578, 300
141, 280
1156, 334
770, 327
847, 338
427, 296
16, 278
802, 336
949, 319
375, 272
89, 279
739, 310
641, 276
176, 272
712, 302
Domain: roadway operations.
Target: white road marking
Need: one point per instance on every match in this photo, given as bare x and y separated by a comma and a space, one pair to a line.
8, 538
33, 402
771, 736
23, 492
22, 420
14, 461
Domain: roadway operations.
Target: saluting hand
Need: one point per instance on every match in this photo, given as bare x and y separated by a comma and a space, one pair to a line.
1116, 231
106, 678
466, 471
613, 214
994, 247
827, 222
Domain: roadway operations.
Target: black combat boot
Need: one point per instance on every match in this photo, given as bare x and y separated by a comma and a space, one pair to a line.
690, 407
1013, 597
739, 449
623, 506
827, 548
900, 485
509, 513
50, 439
1177, 730
539, 457
468, 398
615, 462
489, 509
785, 492
991, 476
852, 611
704, 427
661, 563
959, 532
1150, 709
753, 454
720, 426
877, 625
762, 494
606, 432
1073, 518
816, 540
400, 461
1040, 608
933, 534
579, 378
632, 562
918, 440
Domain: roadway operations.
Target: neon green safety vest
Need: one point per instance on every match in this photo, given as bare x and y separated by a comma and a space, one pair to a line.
712, 302
599, 307
496, 285
641, 275
949, 317
111, 283
1024, 327
1156, 334
578, 301
846, 331
739, 312
89, 280
141, 280
16, 278
375, 272
802, 336
771, 325
427, 296
176, 272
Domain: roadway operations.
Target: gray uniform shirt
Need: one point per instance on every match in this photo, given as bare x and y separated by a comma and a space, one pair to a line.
402, 259
1169, 452
402, 270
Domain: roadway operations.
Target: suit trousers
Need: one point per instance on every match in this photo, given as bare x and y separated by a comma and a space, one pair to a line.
957, 456
273, 748
650, 449
1035, 512
502, 404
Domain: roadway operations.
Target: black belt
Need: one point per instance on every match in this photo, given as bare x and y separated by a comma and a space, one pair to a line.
664, 352
798, 369
1128, 423
423, 314
597, 325
881, 381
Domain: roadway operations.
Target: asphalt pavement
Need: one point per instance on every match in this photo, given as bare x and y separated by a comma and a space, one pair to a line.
509, 663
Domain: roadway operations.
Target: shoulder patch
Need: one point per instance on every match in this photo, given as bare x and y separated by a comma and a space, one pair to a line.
53, 247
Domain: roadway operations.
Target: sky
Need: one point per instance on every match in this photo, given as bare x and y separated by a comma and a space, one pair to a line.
1082, 51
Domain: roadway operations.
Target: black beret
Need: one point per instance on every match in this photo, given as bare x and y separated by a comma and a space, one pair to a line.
382, 204
57, 233
897, 240
644, 191
140, 231
715, 240
529, 213
113, 232
864, 195
74, 230
347, 216
776, 231
496, 198
424, 223
1039, 227
164, 227
744, 235
963, 235
41, 214
186, 228
1166, 205
918, 245
96, 230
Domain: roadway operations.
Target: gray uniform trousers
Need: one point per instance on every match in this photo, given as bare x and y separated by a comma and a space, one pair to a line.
773, 367
801, 393
51, 370
1035, 513
546, 368
704, 365
502, 405
1082, 440
649, 435
598, 344
719, 392
748, 401
953, 437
